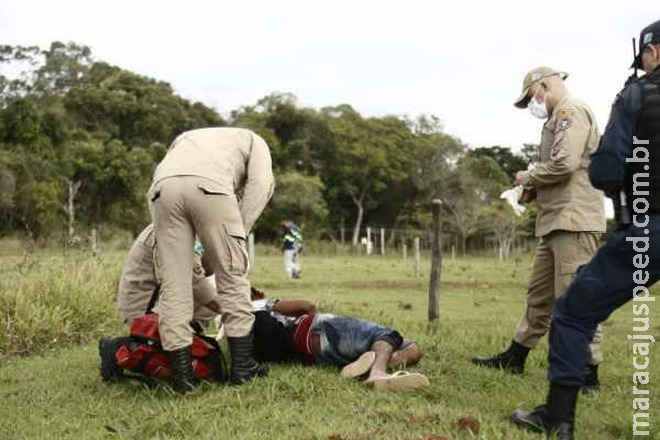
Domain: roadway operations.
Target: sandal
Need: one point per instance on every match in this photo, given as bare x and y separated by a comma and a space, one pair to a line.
399, 381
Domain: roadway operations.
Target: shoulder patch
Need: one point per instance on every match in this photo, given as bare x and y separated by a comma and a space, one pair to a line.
565, 118
565, 124
566, 113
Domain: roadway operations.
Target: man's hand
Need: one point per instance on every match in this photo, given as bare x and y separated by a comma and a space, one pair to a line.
256, 294
521, 177
527, 196
206, 264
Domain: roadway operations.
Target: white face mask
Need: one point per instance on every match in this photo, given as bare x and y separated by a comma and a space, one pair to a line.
537, 109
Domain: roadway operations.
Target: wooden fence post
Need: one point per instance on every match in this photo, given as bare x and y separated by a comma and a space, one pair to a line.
436, 261
369, 242
417, 257
250, 246
94, 241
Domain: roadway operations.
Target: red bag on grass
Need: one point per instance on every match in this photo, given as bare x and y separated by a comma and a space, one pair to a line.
142, 352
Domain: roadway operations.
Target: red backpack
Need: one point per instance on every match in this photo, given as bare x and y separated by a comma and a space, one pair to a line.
141, 352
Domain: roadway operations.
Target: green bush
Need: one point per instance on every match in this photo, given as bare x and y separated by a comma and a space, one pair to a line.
50, 301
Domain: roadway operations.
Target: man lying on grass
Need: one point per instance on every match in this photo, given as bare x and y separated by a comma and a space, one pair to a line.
293, 331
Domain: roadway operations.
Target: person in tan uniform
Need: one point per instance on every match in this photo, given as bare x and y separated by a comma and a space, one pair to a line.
570, 212
213, 183
139, 281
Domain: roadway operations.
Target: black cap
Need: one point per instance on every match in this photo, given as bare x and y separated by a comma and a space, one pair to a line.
649, 35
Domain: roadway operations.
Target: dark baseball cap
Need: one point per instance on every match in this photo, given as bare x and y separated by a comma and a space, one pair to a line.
649, 35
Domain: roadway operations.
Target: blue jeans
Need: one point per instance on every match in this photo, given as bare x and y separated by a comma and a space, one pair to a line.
344, 339
599, 288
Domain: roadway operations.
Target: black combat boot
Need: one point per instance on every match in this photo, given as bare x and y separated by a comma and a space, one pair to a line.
243, 366
556, 418
591, 381
110, 371
513, 359
183, 378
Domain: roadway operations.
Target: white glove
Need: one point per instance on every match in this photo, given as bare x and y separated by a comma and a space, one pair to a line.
512, 196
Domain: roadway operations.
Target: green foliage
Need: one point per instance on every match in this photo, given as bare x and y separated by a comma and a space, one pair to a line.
21, 123
530, 152
475, 182
67, 121
505, 158
135, 109
80, 138
47, 302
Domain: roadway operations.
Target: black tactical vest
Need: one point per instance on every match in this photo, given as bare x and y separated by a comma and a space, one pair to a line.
648, 129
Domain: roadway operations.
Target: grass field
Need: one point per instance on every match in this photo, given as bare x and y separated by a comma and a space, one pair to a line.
54, 308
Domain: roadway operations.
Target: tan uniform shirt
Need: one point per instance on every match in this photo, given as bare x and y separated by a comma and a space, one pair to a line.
565, 198
237, 159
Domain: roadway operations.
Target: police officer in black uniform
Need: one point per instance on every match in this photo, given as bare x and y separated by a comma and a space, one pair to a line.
626, 166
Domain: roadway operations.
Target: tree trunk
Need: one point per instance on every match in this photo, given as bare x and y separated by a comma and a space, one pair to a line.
70, 210
358, 221
392, 239
342, 230
31, 240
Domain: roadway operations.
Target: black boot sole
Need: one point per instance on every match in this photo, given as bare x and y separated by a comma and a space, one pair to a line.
108, 370
522, 422
259, 370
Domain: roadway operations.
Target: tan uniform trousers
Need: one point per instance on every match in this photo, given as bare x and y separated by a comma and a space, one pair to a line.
139, 281
183, 206
557, 257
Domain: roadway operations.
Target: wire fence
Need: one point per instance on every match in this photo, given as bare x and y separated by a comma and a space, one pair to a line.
405, 243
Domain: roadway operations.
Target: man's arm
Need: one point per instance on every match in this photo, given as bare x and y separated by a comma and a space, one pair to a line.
294, 307
607, 169
259, 184
572, 131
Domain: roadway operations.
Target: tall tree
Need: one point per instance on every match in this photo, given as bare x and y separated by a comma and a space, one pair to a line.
300, 198
500, 220
476, 181
530, 152
506, 159
370, 154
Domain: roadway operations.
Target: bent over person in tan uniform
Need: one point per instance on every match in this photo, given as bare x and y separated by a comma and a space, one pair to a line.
213, 183
570, 214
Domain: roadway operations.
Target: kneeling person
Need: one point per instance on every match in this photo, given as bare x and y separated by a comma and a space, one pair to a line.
139, 280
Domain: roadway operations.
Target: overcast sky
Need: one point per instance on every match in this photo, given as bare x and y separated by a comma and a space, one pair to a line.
462, 61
